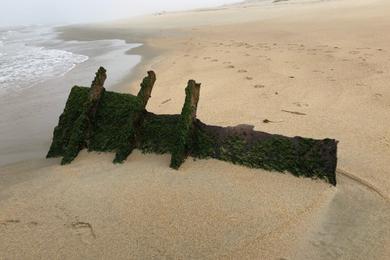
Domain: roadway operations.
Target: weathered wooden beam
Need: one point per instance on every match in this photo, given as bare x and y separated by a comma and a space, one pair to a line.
96, 91
83, 126
136, 118
146, 88
95, 95
121, 123
185, 128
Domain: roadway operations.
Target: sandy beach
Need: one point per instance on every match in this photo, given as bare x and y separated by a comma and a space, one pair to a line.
327, 60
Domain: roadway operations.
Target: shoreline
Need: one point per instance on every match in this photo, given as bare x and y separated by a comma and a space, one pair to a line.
37, 107
146, 51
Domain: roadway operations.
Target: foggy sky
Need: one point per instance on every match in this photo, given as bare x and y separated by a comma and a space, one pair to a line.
27, 12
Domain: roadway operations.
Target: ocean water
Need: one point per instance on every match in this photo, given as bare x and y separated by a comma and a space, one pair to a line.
37, 72
24, 61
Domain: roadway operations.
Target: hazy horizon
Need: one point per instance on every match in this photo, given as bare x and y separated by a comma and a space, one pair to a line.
48, 12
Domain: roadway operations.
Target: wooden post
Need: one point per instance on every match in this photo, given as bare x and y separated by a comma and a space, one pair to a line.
136, 119
194, 93
146, 88
83, 126
96, 92
186, 125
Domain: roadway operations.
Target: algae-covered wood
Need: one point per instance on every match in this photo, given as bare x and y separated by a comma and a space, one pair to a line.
121, 124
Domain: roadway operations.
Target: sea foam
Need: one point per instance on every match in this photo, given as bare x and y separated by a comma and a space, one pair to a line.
24, 63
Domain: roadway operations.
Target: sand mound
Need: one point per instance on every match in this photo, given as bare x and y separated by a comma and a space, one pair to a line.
143, 209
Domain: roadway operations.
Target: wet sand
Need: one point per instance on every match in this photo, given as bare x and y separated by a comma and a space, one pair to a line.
28, 117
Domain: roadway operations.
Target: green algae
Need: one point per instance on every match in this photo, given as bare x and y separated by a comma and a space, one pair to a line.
121, 124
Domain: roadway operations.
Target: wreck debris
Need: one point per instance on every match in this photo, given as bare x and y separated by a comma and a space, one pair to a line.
105, 121
294, 112
186, 128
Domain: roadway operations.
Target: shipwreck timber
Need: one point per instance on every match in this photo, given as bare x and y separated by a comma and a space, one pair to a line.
104, 121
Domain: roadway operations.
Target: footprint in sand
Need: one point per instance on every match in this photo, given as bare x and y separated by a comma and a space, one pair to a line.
259, 86
242, 71
206, 58
9, 222
361, 84
385, 141
354, 52
230, 67
32, 224
299, 104
84, 230
248, 78
215, 60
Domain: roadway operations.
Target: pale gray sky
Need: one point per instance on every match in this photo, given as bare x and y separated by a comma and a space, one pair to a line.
23, 12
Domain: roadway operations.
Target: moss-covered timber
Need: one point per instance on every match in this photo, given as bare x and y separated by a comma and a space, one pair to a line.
100, 120
135, 119
242, 145
75, 135
121, 124
185, 127
147, 84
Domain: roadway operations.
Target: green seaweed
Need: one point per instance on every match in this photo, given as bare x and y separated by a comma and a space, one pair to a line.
185, 130
75, 106
114, 129
204, 145
159, 133
76, 140
122, 124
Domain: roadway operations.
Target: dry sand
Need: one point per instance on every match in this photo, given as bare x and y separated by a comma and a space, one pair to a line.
328, 60
94, 209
